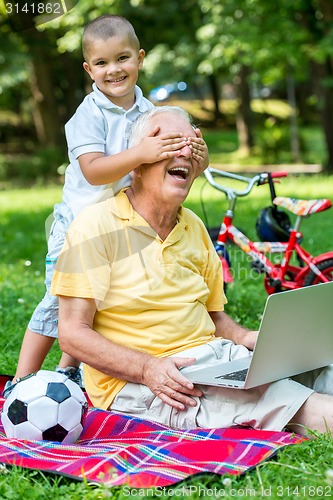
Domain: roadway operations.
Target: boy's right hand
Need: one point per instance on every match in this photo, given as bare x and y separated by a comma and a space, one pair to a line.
155, 148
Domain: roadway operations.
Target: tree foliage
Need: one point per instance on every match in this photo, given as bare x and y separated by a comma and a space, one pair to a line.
247, 43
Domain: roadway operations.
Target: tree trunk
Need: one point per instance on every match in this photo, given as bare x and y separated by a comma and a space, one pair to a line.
324, 90
45, 111
42, 81
326, 87
213, 83
244, 113
73, 84
294, 131
326, 116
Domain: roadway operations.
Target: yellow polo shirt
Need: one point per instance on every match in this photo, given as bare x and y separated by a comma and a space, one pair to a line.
151, 295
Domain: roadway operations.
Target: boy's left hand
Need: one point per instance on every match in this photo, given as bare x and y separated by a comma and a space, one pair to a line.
199, 151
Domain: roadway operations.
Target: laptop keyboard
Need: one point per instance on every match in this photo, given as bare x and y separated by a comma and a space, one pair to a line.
238, 375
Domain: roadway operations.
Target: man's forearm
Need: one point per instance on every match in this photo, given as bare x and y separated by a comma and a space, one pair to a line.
78, 338
229, 329
105, 356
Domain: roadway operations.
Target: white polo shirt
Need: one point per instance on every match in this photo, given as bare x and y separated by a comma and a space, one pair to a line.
98, 125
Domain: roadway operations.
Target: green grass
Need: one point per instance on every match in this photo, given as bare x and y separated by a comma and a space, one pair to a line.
307, 467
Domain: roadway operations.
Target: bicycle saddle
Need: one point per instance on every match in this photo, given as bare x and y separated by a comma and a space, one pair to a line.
302, 207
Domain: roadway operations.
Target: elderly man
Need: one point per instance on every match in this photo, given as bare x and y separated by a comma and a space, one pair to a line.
141, 295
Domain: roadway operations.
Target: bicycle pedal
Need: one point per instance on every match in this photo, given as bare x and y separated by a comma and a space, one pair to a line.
275, 284
258, 267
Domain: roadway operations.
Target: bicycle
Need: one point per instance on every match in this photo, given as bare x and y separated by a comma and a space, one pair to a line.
283, 275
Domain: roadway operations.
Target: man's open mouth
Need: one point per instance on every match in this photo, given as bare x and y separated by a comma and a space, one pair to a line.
179, 172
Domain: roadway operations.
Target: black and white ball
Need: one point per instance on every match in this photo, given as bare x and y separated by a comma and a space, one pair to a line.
45, 405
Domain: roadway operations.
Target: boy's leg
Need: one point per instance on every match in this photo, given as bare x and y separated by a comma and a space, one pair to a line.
67, 360
43, 326
71, 367
33, 352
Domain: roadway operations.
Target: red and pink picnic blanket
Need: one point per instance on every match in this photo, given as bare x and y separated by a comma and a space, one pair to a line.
115, 449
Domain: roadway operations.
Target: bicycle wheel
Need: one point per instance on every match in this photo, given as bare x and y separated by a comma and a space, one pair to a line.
326, 267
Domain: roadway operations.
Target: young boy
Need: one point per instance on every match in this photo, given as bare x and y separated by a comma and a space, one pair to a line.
100, 163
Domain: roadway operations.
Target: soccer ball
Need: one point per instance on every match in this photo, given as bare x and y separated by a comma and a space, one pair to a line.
45, 406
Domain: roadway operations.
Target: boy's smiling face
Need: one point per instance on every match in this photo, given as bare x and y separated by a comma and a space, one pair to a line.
114, 65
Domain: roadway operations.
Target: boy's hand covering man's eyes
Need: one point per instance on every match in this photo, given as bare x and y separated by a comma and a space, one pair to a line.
155, 148
199, 151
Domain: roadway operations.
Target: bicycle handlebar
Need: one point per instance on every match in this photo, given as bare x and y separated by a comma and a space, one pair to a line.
250, 181
282, 173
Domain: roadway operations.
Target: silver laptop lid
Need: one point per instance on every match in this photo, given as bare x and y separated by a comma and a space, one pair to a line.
296, 334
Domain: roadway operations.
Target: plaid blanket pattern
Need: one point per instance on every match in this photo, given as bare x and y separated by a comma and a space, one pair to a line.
115, 450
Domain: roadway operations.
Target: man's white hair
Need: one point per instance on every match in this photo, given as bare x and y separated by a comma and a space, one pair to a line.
141, 127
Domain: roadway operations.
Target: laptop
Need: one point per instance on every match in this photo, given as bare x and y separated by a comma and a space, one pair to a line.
295, 336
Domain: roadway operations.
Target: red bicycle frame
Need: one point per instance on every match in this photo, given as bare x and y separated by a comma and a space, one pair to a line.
278, 276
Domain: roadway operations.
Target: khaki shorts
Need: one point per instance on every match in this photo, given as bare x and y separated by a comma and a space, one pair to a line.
269, 406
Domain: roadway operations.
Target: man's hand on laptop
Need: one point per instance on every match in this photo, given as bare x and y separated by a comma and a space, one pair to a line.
164, 379
250, 339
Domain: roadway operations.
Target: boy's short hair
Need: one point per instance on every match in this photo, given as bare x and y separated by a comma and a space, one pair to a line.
105, 27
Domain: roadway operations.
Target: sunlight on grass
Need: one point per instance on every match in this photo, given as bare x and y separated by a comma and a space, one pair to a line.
274, 107
30, 199
204, 108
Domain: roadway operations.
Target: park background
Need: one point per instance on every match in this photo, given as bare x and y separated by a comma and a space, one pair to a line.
259, 83
259, 79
